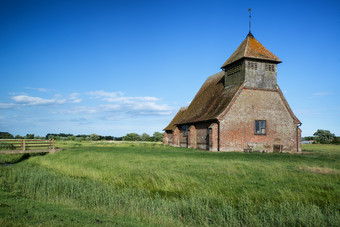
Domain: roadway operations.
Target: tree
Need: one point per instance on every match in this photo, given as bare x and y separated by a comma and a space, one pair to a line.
324, 136
132, 137
72, 138
336, 140
157, 137
145, 137
6, 135
94, 137
29, 136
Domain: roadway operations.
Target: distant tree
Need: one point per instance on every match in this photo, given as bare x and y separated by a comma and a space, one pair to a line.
336, 140
6, 135
94, 137
18, 137
145, 137
72, 138
50, 136
80, 139
82, 136
108, 138
119, 138
29, 136
132, 137
157, 137
324, 136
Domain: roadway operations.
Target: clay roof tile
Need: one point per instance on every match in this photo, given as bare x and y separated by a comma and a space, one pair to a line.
251, 48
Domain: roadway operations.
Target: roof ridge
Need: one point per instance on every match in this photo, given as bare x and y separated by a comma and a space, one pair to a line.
245, 49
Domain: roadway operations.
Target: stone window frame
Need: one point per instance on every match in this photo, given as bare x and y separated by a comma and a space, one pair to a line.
258, 125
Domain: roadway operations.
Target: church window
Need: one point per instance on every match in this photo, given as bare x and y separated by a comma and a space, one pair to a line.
260, 127
184, 129
270, 67
234, 69
252, 65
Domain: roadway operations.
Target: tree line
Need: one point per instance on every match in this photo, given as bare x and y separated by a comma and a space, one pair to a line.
324, 137
156, 137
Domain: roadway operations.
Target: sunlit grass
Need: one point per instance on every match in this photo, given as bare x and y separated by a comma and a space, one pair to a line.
161, 185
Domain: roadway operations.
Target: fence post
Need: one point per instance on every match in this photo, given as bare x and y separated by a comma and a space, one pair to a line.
23, 145
53, 145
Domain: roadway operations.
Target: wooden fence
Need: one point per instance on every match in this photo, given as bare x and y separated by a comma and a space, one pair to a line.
21, 146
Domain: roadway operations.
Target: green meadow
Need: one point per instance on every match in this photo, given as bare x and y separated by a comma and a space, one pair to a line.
148, 184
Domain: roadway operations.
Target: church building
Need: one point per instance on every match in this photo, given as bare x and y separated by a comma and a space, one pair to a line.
240, 108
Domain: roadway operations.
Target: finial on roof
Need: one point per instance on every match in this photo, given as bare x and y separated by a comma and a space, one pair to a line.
250, 34
249, 10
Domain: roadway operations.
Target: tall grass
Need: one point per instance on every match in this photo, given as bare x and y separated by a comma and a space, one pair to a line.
172, 186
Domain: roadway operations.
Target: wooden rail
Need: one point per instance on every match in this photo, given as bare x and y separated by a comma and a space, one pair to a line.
22, 146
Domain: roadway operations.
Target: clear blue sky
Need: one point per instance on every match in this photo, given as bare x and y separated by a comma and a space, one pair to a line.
113, 67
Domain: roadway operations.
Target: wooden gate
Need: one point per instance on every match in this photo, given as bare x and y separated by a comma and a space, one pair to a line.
22, 146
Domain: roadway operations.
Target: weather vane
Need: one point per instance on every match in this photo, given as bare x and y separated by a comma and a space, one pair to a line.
249, 10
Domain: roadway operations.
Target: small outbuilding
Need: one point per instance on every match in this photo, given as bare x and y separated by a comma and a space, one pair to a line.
240, 108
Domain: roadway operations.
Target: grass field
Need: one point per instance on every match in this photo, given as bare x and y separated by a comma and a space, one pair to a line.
147, 184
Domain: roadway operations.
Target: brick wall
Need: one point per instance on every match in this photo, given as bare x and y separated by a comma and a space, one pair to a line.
183, 139
168, 138
165, 138
213, 137
176, 137
237, 127
192, 133
299, 140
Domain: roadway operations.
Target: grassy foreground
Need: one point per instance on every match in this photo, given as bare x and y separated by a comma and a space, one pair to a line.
141, 184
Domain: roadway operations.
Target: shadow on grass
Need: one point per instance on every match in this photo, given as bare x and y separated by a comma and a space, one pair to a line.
10, 161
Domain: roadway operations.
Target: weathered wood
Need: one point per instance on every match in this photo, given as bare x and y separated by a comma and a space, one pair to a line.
37, 145
29, 146
28, 151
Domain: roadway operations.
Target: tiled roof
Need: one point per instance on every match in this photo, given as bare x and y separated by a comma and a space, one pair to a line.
210, 101
172, 124
251, 48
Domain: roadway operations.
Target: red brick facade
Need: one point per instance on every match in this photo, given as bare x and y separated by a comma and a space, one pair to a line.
239, 109
235, 128
192, 134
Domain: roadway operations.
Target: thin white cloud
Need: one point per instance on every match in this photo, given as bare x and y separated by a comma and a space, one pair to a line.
118, 96
27, 100
113, 118
134, 105
37, 89
104, 94
110, 107
128, 99
79, 110
323, 93
35, 101
74, 98
138, 108
7, 105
